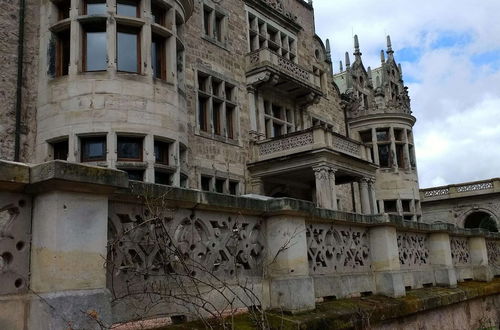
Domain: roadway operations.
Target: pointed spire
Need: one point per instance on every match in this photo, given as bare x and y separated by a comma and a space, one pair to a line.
400, 70
357, 53
389, 47
382, 56
369, 73
341, 66
328, 49
347, 61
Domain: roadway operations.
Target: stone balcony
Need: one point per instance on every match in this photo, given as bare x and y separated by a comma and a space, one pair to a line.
461, 190
265, 66
314, 138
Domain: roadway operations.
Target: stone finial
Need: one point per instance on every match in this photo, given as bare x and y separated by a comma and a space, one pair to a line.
382, 56
347, 61
389, 47
341, 66
400, 70
357, 53
369, 73
328, 50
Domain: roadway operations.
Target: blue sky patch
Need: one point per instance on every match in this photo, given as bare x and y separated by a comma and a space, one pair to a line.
451, 39
490, 58
408, 54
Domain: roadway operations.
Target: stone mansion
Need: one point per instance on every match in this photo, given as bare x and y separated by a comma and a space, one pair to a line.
235, 97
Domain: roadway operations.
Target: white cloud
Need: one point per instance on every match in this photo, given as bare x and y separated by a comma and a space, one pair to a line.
453, 75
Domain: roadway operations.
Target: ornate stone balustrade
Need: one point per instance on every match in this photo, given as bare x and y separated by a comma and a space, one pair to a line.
313, 138
172, 249
262, 58
460, 190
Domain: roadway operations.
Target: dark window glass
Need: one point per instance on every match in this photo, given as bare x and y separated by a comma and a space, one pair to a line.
276, 111
63, 9
219, 22
230, 121
400, 155
366, 136
129, 148
137, 175
205, 183
390, 206
60, 150
216, 114
233, 187
398, 134
202, 82
127, 8
95, 50
184, 181
127, 43
158, 14
206, 21
384, 155
158, 57
406, 205
383, 135
229, 92
203, 112
93, 149
219, 185
163, 178
62, 53
161, 152
277, 129
95, 7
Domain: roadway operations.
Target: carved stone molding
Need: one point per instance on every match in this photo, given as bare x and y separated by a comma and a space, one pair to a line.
413, 250
460, 251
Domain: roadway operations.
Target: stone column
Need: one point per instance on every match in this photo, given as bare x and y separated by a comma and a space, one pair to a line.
323, 189
260, 115
479, 259
111, 30
257, 186
290, 286
365, 196
69, 240
373, 198
385, 261
333, 188
407, 150
375, 146
252, 109
393, 157
440, 258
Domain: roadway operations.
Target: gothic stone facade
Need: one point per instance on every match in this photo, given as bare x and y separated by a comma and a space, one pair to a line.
233, 96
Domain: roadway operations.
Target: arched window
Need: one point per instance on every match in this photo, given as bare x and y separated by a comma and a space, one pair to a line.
480, 219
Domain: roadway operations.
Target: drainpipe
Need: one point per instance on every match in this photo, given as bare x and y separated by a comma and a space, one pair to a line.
19, 90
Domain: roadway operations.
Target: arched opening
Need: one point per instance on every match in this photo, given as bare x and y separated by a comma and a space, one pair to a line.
480, 219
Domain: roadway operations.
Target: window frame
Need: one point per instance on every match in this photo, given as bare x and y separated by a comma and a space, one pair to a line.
129, 30
101, 28
84, 140
139, 139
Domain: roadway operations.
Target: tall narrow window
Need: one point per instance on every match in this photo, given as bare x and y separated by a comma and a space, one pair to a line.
94, 49
206, 183
158, 14
203, 112
216, 114
63, 8
93, 149
219, 27
62, 53
161, 152
127, 8
207, 21
128, 50
94, 7
230, 121
129, 148
384, 155
158, 57
233, 187
219, 185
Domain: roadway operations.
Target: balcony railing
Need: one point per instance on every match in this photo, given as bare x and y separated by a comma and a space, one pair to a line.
458, 190
310, 139
265, 57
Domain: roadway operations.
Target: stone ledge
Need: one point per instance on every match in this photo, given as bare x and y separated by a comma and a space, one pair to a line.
13, 176
348, 313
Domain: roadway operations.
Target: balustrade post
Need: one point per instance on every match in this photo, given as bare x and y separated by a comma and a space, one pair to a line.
479, 259
69, 245
287, 267
323, 189
365, 196
441, 261
385, 261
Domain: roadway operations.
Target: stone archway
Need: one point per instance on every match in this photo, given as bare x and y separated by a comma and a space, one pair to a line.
480, 219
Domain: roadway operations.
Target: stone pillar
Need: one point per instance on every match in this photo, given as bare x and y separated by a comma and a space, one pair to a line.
440, 258
260, 115
365, 196
69, 245
333, 188
479, 259
375, 146
257, 186
252, 109
385, 261
393, 148
373, 198
290, 286
406, 150
323, 189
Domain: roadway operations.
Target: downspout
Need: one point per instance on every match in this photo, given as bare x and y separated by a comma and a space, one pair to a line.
19, 88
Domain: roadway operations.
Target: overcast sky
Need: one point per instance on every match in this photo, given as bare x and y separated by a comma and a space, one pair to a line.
450, 53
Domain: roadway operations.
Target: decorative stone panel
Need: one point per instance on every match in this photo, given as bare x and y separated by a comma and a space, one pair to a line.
436, 192
460, 251
413, 250
15, 240
337, 249
152, 252
286, 143
475, 187
346, 146
493, 249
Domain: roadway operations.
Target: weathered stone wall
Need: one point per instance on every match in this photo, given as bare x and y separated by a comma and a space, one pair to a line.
473, 314
9, 25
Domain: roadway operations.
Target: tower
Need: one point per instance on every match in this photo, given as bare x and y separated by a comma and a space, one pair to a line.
377, 110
